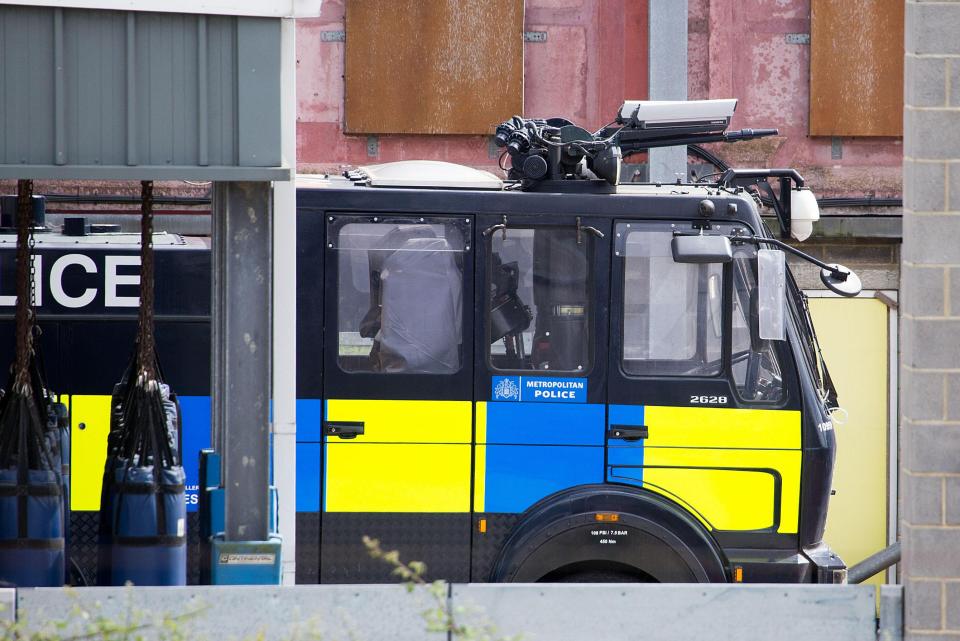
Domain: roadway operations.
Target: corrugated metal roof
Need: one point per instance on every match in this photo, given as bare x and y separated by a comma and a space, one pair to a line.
93, 94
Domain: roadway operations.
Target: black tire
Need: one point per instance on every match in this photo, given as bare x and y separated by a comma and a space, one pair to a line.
653, 538
579, 573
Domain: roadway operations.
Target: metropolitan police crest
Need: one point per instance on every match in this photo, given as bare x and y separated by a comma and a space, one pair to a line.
506, 389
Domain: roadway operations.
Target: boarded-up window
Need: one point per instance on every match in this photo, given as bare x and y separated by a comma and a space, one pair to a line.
416, 67
856, 68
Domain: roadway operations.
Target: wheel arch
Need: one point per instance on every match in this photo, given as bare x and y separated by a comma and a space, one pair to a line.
656, 537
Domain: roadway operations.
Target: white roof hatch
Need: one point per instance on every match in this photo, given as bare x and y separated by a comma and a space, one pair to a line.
429, 173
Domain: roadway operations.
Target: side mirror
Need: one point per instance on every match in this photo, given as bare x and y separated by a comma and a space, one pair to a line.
698, 249
841, 280
771, 294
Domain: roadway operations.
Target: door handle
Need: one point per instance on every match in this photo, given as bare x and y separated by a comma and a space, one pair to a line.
343, 429
628, 432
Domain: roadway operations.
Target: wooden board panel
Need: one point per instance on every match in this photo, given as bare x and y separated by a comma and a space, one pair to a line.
414, 67
856, 68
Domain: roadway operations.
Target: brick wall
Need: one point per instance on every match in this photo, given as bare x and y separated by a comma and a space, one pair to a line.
930, 326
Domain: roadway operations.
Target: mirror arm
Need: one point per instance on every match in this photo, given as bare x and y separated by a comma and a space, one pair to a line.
836, 273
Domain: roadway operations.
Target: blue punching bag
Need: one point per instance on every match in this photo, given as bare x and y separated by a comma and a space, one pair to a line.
148, 507
143, 516
31, 503
31, 480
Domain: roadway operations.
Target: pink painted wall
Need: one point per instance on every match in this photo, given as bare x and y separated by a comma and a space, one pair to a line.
737, 48
594, 57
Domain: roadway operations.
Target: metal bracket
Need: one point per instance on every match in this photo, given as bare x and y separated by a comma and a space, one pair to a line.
798, 38
333, 36
373, 146
836, 148
886, 300
502, 226
588, 229
534, 36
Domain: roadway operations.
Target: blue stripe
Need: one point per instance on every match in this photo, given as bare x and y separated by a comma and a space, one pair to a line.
308, 477
308, 420
545, 423
520, 475
626, 415
622, 453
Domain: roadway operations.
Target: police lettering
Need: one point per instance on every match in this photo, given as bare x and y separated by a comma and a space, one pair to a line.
556, 390
70, 293
553, 394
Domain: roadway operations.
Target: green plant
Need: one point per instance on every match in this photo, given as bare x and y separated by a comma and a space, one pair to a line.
88, 623
461, 623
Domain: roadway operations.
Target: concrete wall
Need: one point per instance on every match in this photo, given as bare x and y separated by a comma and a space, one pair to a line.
537, 612
930, 326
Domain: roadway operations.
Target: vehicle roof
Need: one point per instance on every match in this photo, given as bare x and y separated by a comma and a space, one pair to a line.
571, 197
118, 240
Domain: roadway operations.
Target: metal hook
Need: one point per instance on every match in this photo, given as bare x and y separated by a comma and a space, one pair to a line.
502, 226
586, 228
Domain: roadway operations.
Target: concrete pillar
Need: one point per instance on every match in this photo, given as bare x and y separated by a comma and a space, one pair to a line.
285, 310
240, 391
930, 325
668, 78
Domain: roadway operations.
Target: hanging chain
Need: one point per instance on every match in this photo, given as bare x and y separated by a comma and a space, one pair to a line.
24, 310
146, 355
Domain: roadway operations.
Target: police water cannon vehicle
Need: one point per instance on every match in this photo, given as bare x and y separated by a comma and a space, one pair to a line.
559, 376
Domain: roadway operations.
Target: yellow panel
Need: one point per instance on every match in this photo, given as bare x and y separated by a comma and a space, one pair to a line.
481, 422
858, 362
88, 449
397, 477
479, 478
722, 427
727, 499
406, 421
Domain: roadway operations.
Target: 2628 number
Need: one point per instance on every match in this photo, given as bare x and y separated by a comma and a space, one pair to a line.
707, 400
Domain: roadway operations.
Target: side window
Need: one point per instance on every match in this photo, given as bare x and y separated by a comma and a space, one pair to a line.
539, 300
400, 297
756, 370
672, 312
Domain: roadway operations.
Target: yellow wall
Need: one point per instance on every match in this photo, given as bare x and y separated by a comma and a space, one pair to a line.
854, 336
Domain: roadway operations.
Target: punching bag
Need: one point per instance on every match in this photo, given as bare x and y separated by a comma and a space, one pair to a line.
143, 514
31, 474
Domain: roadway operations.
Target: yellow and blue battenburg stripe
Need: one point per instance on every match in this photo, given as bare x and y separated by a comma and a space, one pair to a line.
734, 469
414, 456
90, 425
526, 451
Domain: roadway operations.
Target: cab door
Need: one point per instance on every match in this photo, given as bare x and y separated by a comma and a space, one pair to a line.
398, 394
541, 366
698, 412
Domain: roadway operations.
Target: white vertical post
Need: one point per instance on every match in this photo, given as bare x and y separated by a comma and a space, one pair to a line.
668, 78
284, 310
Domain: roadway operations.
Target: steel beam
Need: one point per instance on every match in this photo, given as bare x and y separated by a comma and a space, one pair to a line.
668, 78
241, 369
